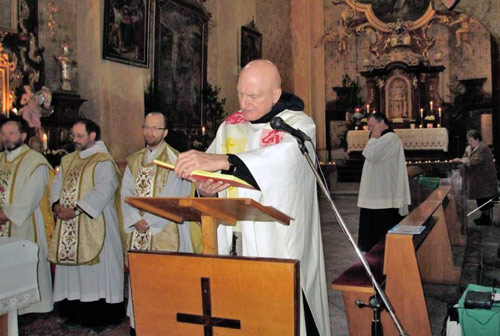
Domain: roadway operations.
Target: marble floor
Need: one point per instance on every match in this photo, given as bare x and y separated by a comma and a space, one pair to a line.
339, 255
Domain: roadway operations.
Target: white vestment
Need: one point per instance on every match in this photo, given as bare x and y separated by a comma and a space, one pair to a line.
26, 203
384, 181
286, 183
103, 280
175, 187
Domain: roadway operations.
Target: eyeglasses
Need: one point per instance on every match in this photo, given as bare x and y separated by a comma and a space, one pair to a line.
77, 136
153, 128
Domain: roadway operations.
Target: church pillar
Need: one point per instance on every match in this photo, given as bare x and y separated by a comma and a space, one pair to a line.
308, 75
495, 95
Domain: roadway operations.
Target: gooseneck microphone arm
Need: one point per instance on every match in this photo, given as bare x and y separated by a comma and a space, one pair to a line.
278, 124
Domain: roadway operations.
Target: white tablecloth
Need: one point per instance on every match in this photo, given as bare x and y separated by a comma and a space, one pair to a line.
413, 139
18, 281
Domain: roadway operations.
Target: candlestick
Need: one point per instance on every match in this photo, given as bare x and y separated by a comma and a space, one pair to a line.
367, 108
439, 112
431, 104
355, 128
421, 113
202, 130
44, 142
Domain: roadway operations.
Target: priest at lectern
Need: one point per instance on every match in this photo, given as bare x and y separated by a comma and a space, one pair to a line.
247, 147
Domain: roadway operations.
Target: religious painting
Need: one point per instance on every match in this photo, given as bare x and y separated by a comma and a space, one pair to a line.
126, 31
8, 16
389, 11
180, 60
251, 44
398, 98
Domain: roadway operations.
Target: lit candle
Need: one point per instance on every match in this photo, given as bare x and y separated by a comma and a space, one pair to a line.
438, 125
421, 113
57, 169
439, 112
202, 130
431, 104
420, 126
374, 111
44, 142
367, 108
356, 128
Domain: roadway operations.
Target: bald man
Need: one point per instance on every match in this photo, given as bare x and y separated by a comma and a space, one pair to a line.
246, 146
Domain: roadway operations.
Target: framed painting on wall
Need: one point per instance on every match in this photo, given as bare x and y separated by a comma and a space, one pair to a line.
8, 16
126, 33
251, 44
180, 60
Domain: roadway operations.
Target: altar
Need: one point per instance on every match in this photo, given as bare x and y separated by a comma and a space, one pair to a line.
412, 138
18, 287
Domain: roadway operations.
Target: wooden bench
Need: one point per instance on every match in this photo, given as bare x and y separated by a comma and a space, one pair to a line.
401, 263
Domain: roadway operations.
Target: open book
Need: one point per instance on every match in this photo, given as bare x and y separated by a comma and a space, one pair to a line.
204, 175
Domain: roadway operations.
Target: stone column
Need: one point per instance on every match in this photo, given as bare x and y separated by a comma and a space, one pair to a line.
308, 75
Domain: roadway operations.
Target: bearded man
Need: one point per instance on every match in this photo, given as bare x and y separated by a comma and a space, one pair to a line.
86, 245
24, 175
142, 177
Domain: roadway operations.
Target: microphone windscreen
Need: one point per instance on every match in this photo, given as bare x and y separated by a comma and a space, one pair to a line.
276, 123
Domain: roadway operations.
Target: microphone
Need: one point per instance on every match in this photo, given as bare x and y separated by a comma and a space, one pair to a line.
280, 125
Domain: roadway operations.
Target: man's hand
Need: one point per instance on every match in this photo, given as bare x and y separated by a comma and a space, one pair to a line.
378, 128
142, 226
64, 213
457, 160
209, 188
195, 160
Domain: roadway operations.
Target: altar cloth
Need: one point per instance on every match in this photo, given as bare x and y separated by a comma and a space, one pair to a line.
18, 284
413, 139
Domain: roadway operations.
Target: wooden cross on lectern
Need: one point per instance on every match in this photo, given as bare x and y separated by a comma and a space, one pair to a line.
207, 320
166, 285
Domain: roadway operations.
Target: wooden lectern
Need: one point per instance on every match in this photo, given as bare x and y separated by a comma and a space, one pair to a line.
189, 294
210, 211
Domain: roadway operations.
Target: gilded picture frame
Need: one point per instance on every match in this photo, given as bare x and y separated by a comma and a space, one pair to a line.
126, 32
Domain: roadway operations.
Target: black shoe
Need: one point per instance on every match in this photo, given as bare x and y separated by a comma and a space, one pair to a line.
71, 323
484, 221
132, 331
479, 219
98, 329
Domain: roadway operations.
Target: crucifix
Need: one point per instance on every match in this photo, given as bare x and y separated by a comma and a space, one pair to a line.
207, 320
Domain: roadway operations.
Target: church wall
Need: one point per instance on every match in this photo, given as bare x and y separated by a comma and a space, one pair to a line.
223, 45
115, 91
273, 21
227, 16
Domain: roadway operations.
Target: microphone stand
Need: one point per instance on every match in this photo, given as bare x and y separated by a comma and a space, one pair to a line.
374, 304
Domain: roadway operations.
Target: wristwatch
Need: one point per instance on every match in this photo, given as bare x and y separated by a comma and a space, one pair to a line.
232, 166
77, 211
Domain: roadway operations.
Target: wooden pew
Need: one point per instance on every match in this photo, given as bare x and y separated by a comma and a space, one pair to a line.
445, 195
401, 263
